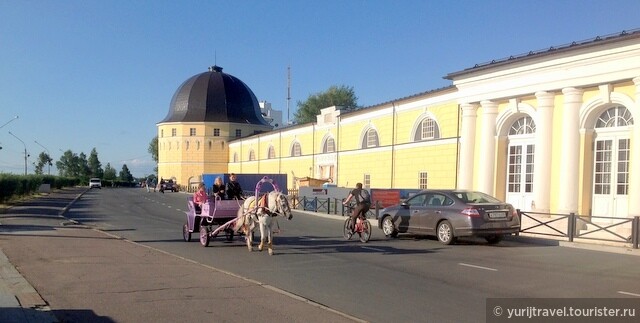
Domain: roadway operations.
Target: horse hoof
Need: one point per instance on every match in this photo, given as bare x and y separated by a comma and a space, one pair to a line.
270, 252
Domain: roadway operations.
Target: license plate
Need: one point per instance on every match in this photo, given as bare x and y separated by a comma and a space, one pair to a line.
497, 215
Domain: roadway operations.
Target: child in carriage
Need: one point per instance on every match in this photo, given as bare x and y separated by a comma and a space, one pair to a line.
199, 198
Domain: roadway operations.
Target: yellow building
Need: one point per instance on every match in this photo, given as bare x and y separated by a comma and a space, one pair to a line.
549, 131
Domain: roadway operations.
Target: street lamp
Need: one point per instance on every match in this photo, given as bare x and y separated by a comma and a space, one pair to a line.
48, 154
25, 152
6, 123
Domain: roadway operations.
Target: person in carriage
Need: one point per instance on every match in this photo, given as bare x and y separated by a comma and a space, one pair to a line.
199, 198
234, 190
218, 188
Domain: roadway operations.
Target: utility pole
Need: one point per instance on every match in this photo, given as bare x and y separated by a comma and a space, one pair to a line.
25, 152
288, 91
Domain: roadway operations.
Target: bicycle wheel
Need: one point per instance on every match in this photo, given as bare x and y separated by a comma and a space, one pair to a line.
365, 234
347, 230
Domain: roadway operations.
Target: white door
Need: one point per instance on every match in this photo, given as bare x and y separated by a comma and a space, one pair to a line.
610, 176
520, 175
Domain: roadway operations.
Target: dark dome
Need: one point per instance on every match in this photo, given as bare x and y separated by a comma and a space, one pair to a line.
214, 96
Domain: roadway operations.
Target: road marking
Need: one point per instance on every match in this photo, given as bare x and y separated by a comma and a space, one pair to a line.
627, 293
479, 267
374, 249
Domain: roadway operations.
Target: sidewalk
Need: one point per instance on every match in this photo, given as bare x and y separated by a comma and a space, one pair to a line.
78, 274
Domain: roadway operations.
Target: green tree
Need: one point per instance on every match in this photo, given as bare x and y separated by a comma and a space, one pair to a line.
95, 167
43, 160
109, 173
125, 174
153, 150
68, 164
336, 95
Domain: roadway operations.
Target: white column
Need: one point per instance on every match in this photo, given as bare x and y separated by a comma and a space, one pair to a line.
486, 177
467, 145
569, 161
542, 158
634, 167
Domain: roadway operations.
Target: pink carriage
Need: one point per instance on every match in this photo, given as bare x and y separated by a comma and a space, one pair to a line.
217, 216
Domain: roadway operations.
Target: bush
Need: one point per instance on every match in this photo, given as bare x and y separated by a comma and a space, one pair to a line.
18, 186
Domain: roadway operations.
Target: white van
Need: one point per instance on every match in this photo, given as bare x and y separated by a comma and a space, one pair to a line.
95, 182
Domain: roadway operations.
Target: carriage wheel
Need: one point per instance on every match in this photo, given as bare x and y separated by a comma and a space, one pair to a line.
228, 233
186, 235
204, 236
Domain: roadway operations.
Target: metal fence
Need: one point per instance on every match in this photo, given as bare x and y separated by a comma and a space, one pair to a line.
571, 226
329, 206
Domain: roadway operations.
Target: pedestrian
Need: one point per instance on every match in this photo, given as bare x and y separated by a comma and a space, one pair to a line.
161, 185
219, 188
234, 190
363, 203
153, 184
147, 183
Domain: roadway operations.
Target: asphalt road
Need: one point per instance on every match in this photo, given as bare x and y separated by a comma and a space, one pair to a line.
405, 279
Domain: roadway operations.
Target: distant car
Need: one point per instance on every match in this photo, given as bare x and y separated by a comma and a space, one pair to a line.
449, 214
170, 186
95, 183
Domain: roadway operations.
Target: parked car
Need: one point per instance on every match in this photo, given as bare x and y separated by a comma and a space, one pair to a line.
169, 185
95, 183
449, 214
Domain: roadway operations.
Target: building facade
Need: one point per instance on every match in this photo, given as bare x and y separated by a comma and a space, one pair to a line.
549, 131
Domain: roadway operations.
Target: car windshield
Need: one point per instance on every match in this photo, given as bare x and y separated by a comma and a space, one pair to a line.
476, 197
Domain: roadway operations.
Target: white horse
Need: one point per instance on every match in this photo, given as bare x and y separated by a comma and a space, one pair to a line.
263, 215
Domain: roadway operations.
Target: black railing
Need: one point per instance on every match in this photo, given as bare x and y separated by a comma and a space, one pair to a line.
574, 222
329, 206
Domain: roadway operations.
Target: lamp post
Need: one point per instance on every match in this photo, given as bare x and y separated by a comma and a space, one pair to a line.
48, 154
6, 123
25, 152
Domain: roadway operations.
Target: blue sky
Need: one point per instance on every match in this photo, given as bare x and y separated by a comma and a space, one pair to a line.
101, 73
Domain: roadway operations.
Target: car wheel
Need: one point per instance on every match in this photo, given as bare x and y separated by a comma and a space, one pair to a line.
445, 232
493, 239
388, 228
186, 235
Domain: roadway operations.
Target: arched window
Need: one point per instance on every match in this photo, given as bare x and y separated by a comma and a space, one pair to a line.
329, 146
427, 130
271, 153
615, 117
522, 126
370, 139
296, 150
235, 157
252, 155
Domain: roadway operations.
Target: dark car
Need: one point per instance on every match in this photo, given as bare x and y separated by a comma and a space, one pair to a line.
170, 186
449, 214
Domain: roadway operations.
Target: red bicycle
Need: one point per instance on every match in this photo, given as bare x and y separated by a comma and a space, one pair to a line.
362, 228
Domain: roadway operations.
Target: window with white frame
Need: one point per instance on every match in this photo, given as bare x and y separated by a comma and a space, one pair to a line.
296, 150
192, 132
216, 132
252, 155
370, 139
329, 146
427, 130
238, 133
422, 179
366, 182
174, 132
271, 153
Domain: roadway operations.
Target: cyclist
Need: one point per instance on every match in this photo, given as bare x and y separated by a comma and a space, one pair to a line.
363, 203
